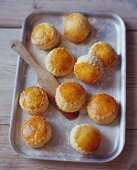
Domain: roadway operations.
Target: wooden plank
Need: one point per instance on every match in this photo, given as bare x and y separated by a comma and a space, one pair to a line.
9, 160
8, 66
131, 37
20, 9
8, 60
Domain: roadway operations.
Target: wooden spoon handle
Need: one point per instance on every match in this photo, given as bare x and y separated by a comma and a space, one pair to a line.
17, 46
45, 79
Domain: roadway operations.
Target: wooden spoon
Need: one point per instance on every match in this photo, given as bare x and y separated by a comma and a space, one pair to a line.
44, 78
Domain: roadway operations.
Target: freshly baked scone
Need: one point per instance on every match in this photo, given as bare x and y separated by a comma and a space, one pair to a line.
88, 69
104, 52
34, 100
102, 108
36, 132
59, 62
70, 96
85, 139
76, 27
45, 36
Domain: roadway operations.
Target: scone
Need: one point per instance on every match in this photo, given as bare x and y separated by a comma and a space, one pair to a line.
70, 96
45, 36
36, 132
104, 52
88, 69
76, 27
34, 101
85, 139
102, 108
59, 62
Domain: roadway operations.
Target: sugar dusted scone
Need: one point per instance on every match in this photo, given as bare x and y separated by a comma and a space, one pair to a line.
104, 52
102, 108
45, 36
34, 100
36, 132
59, 62
70, 96
85, 139
88, 69
76, 27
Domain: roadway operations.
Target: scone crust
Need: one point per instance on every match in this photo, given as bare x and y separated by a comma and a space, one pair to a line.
36, 132
34, 100
88, 69
102, 108
85, 138
104, 52
59, 62
45, 36
70, 96
76, 27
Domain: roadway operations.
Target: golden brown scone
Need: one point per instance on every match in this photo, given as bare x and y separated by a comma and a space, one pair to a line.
102, 108
88, 69
34, 100
59, 62
36, 132
45, 36
85, 139
104, 52
70, 96
76, 27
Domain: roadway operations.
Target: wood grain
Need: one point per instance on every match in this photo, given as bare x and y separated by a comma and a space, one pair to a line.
7, 72
10, 160
131, 38
13, 15
8, 67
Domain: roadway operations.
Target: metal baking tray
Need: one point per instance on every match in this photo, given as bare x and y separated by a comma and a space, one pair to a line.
105, 26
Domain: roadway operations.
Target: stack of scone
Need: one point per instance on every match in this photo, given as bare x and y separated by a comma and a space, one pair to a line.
85, 138
102, 108
36, 131
59, 62
70, 96
34, 101
45, 36
101, 55
76, 27
88, 69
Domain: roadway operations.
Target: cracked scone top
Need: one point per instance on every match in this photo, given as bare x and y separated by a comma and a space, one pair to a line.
88, 69
104, 52
59, 61
70, 96
36, 132
102, 108
85, 138
45, 36
34, 100
76, 27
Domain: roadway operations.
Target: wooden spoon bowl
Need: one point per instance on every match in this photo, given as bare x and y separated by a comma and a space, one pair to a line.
46, 80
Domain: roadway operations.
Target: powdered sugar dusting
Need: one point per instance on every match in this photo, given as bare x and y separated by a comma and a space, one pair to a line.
102, 29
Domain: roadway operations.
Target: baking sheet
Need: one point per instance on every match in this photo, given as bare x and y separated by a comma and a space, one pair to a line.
105, 26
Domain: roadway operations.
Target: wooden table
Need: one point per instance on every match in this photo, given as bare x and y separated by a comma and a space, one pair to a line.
12, 14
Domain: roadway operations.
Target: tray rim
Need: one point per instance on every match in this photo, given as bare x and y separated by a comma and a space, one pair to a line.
20, 62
